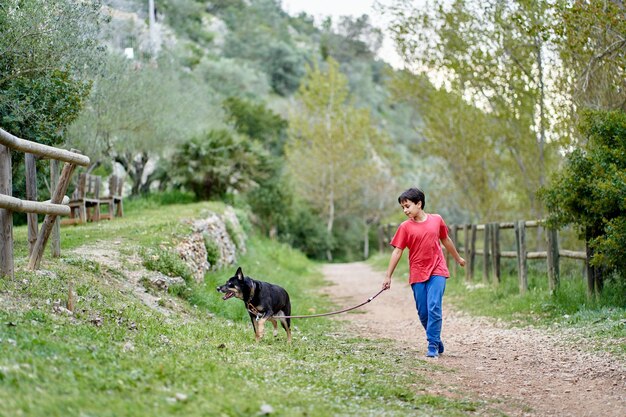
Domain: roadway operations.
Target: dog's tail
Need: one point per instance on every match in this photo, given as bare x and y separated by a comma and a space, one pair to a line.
287, 311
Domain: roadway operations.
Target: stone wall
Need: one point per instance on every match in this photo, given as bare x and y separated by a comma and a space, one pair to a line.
212, 231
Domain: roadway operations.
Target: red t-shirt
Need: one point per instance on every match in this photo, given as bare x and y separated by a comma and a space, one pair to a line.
423, 240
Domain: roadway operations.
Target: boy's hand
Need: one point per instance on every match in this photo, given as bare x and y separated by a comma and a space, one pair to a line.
387, 283
461, 262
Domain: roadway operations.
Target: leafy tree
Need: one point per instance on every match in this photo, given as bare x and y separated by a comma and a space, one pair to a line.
228, 77
352, 40
592, 45
44, 50
218, 163
271, 201
494, 55
331, 146
260, 33
257, 121
474, 163
138, 113
590, 193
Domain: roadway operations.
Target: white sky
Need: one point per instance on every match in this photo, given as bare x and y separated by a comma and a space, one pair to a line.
319, 9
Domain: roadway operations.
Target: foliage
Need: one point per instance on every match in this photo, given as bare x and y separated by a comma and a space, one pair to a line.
304, 230
590, 191
166, 262
137, 113
447, 118
260, 33
212, 250
257, 121
333, 148
218, 163
593, 50
354, 39
229, 76
495, 55
273, 197
44, 50
188, 18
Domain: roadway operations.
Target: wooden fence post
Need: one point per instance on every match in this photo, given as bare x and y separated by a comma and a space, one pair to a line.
553, 260
55, 244
30, 162
486, 253
46, 228
495, 252
453, 232
520, 235
473, 251
466, 250
6, 216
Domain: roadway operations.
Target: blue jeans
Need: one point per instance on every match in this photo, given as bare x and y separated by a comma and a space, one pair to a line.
428, 296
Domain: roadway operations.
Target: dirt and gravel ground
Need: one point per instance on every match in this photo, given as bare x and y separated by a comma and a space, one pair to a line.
518, 371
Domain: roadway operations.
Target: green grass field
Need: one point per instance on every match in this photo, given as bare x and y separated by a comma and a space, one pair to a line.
115, 356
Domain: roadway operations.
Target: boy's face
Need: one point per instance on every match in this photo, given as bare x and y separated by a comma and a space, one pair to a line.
410, 208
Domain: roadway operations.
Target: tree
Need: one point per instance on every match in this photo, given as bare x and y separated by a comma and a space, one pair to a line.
473, 162
138, 113
590, 193
331, 145
492, 54
592, 41
257, 121
45, 49
219, 163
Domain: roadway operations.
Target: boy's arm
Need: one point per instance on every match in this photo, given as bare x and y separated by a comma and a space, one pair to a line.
449, 245
393, 262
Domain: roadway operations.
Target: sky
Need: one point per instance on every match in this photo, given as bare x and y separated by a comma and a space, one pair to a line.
319, 9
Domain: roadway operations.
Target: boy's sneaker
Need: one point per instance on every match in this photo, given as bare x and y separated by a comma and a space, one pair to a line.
433, 350
440, 350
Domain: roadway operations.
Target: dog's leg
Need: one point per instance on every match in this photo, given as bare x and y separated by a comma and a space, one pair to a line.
275, 326
260, 328
254, 324
285, 324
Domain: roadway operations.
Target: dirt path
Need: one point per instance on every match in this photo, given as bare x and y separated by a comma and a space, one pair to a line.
519, 371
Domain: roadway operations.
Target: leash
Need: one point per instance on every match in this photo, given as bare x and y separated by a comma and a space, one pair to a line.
332, 312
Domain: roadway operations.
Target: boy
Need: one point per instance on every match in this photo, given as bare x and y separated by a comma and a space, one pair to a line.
428, 271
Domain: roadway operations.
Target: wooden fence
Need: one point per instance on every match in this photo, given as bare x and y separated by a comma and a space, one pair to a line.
492, 254
51, 208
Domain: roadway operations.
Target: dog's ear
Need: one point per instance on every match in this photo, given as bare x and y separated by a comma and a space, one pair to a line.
239, 274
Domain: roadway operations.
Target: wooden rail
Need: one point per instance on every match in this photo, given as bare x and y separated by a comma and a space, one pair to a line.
492, 253
53, 208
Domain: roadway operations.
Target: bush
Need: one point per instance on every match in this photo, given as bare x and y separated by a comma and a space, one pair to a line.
590, 191
306, 231
218, 163
212, 250
166, 262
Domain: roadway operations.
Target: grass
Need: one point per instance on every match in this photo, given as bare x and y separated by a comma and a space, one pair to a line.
115, 356
600, 322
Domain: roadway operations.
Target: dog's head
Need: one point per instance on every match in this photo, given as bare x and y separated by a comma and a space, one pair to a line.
234, 286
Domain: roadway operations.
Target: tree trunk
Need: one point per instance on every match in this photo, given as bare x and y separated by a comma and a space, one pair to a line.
331, 221
366, 242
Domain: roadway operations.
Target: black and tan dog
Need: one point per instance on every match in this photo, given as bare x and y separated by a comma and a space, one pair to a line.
264, 301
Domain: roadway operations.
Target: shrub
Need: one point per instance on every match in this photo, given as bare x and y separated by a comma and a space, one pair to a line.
166, 262
212, 250
590, 191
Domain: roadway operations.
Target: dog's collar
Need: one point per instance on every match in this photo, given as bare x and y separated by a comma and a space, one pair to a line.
252, 309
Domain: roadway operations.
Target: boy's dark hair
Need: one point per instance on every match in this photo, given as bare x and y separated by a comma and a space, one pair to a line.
414, 195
